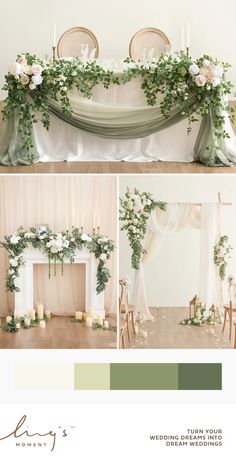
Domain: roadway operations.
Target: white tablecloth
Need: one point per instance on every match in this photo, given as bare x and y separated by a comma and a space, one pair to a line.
65, 142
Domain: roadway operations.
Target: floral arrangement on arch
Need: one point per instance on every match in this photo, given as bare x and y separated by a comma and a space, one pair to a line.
222, 255
195, 87
135, 209
58, 247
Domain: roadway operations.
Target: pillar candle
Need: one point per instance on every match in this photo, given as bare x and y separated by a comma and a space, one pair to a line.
42, 324
188, 36
182, 38
106, 324
32, 314
8, 319
100, 320
89, 322
47, 314
17, 325
40, 311
79, 315
136, 329
27, 321
144, 334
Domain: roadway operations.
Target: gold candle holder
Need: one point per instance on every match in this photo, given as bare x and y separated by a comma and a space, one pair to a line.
54, 53
187, 51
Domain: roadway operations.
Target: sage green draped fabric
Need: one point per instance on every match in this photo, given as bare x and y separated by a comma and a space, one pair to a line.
120, 123
11, 151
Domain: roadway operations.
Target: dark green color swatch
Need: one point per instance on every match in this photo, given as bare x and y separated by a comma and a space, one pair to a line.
200, 376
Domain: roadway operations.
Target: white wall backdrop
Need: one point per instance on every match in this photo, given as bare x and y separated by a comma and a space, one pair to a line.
28, 26
172, 277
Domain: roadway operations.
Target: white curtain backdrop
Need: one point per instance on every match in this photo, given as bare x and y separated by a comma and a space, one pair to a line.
206, 218
31, 200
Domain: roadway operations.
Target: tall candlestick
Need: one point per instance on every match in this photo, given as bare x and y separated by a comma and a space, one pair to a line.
67, 222
54, 34
182, 38
188, 36
94, 220
77, 223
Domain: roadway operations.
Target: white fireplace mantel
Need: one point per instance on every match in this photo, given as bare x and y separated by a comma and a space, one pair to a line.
24, 298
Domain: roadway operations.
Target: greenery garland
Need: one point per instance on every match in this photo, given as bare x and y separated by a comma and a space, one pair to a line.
195, 87
222, 252
135, 209
58, 247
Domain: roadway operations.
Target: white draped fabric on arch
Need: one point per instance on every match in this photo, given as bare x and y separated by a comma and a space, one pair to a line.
202, 216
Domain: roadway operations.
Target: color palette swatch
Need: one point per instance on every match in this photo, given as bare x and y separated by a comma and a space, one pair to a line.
148, 376
118, 376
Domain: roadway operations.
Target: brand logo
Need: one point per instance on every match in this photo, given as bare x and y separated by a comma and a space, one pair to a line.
49, 436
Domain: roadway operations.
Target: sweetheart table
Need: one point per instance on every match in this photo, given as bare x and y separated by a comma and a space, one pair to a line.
113, 114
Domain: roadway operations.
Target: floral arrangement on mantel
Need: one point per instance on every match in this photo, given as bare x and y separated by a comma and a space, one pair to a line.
58, 247
135, 209
222, 252
195, 86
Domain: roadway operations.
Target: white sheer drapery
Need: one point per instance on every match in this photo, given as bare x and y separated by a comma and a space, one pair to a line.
161, 224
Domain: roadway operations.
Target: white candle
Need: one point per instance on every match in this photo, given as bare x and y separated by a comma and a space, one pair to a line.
106, 324
77, 220
79, 315
136, 329
89, 322
144, 334
67, 222
48, 314
42, 324
188, 35
94, 220
20, 314
17, 325
27, 321
40, 311
54, 34
73, 217
100, 320
82, 220
32, 314
8, 319
182, 38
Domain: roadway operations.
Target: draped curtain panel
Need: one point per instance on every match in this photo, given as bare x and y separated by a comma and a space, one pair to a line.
32, 200
123, 127
161, 224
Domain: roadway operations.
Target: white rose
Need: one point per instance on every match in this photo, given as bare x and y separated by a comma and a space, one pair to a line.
216, 81
103, 256
200, 80
72, 240
36, 69
62, 77
15, 69
149, 202
37, 79
217, 71
48, 244
32, 86
85, 237
206, 63
194, 69
13, 262
135, 221
29, 235
14, 239
10, 271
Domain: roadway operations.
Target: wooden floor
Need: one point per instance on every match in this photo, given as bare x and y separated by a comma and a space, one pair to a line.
156, 167
166, 332
60, 332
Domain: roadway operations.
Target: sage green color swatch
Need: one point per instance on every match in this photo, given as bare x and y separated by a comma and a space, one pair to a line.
200, 376
92, 376
144, 376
